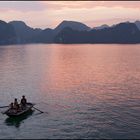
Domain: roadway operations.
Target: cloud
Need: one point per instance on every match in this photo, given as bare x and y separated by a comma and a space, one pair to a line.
58, 5
98, 15
26, 6
21, 6
50, 13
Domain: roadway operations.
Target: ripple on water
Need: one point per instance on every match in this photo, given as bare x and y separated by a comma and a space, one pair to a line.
95, 96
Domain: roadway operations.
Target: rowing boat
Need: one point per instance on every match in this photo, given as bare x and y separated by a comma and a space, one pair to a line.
15, 113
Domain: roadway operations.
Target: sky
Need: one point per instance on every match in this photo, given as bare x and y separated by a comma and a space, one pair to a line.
48, 14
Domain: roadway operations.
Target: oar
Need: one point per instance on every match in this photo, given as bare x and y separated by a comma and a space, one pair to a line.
3, 106
38, 110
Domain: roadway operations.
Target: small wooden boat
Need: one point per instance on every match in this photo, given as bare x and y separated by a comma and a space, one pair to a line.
15, 113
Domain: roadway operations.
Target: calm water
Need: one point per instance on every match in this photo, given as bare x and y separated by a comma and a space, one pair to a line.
86, 91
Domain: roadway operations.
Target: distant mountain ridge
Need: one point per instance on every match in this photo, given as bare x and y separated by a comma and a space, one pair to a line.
7, 33
17, 32
121, 33
24, 33
73, 25
45, 36
101, 27
137, 24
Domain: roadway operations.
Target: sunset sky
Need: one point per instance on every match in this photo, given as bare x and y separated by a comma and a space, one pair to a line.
44, 14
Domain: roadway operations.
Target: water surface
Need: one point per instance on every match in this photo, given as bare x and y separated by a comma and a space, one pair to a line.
87, 91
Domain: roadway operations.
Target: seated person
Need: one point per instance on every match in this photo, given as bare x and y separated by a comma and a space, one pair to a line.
16, 105
11, 106
12, 109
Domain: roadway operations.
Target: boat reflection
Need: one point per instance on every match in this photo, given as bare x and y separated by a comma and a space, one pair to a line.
16, 121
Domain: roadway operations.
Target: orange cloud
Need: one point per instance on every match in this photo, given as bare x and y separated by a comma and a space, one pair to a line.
58, 5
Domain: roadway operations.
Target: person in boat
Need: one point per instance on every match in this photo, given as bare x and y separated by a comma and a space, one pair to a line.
23, 101
11, 108
16, 105
12, 105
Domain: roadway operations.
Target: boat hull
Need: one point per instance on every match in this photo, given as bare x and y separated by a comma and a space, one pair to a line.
20, 113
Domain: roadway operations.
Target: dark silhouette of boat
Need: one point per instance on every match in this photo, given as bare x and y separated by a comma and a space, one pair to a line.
14, 113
